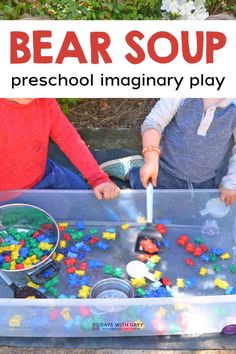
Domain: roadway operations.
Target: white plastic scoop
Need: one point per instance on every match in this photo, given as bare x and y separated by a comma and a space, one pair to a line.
216, 208
137, 269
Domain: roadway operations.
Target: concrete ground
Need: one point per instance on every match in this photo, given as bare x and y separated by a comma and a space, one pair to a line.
8, 350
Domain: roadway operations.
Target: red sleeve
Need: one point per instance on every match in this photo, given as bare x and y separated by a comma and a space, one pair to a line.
69, 141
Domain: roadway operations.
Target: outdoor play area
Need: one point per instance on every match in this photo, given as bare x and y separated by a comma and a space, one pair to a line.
182, 281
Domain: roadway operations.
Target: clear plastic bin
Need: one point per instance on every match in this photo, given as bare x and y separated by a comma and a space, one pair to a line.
188, 314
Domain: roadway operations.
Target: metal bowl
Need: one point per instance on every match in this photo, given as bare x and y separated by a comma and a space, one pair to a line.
112, 288
26, 217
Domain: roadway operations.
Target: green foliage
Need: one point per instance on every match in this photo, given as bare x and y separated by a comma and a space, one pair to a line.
97, 9
83, 10
217, 6
14, 9
68, 103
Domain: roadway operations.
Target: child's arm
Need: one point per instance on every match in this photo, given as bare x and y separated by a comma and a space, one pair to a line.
228, 183
152, 128
70, 142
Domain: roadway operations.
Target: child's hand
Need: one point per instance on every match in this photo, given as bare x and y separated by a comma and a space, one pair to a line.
227, 196
107, 190
149, 172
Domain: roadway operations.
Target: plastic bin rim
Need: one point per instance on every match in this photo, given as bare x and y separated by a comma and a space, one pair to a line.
123, 191
6, 302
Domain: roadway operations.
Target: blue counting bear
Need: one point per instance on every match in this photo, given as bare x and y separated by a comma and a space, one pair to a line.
73, 280
1, 259
73, 249
48, 273
69, 324
78, 320
162, 292
95, 264
24, 251
72, 254
111, 230
190, 283
82, 247
80, 225
205, 258
81, 256
84, 280
217, 251
102, 245
87, 237
42, 238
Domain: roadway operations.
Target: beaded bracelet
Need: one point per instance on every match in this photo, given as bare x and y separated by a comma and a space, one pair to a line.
151, 148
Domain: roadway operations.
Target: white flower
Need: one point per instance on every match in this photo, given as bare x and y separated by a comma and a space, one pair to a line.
187, 8
171, 6
184, 9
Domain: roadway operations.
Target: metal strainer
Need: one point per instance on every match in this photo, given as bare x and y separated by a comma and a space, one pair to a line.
111, 288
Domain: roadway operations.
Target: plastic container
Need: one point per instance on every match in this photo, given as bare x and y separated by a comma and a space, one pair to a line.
129, 316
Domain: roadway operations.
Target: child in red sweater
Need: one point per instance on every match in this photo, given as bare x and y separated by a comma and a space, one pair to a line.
26, 125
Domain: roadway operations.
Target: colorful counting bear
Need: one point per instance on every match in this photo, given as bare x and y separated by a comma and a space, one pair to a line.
108, 269
225, 256
232, 268
157, 275
150, 264
15, 321
189, 262
62, 244
221, 283
203, 271
117, 272
63, 224
65, 313
80, 225
138, 283
125, 226
70, 261
15, 255
84, 292
80, 272
204, 248
92, 240
73, 280
59, 257
155, 259
197, 252
166, 281
109, 235
182, 240
102, 245
180, 283
44, 246
216, 268
83, 266
140, 292
94, 264
161, 312
190, 247
161, 228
